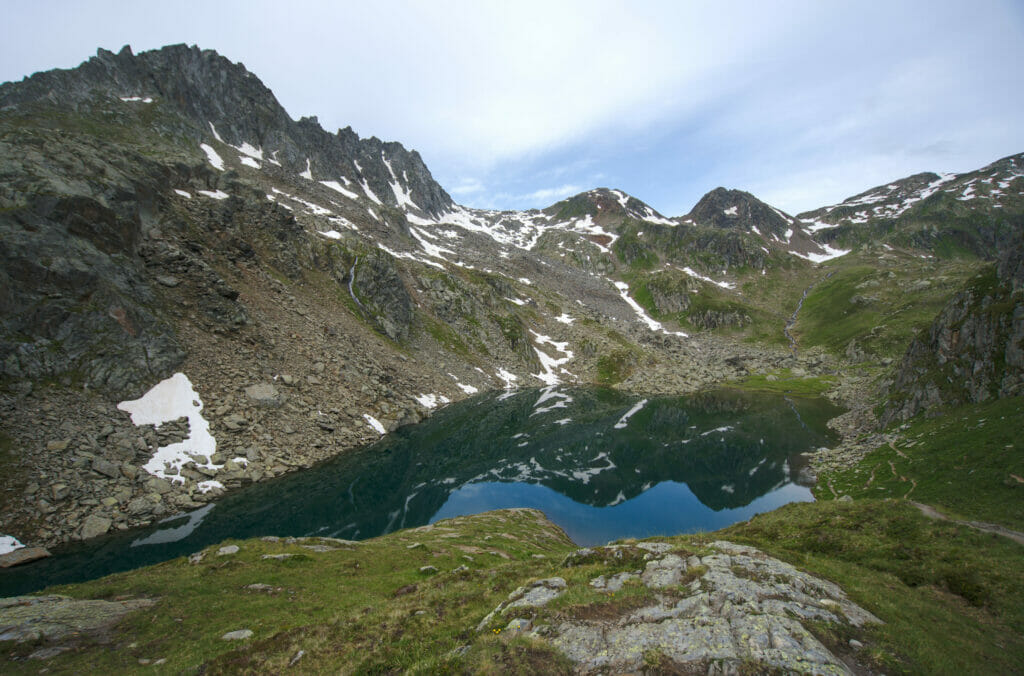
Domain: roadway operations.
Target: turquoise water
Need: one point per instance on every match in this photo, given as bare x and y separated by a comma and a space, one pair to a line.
601, 464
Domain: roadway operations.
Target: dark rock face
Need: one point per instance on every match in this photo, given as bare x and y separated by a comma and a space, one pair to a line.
75, 307
735, 209
222, 98
379, 291
974, 350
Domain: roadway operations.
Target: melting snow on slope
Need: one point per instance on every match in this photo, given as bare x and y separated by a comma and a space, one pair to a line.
647, 319
334, 185
731, 211
137, 99
218, 195
624, 420
565, 318
468, 389
431, 401
169, 400
8, 544
508, 378
249, 162
829, 254
375, 424
213, 157
370, 193
308, 173
693, 273
183, 194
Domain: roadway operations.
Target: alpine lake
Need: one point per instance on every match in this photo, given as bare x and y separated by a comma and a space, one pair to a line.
601, 464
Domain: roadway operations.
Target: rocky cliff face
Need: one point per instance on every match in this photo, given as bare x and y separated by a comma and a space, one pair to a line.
974, 350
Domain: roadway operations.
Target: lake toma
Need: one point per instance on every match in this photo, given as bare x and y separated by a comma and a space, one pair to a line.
601, 464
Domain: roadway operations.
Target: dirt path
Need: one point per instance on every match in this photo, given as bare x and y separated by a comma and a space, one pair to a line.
996, 529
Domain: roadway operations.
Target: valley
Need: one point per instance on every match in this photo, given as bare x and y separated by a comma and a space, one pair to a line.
319, 293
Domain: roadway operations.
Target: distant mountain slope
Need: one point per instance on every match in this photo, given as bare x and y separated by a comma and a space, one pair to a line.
972, 214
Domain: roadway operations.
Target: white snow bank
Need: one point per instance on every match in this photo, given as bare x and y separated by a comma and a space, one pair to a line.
169, 400
375, 424
431, 400
213, 157
334, 185
565, 318
8, 544
652, 324
218, 195
184, 194
829, 254
507, 378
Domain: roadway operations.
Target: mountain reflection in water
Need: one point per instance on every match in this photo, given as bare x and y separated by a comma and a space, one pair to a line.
600, 463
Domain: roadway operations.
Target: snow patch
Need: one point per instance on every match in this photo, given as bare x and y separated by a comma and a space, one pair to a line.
829, 254
166, 401
334, 185
249, 162
308, 173
218, 195
564, 318
137, 99
8, 544
375, 424
184, 194
213, 157
641, 313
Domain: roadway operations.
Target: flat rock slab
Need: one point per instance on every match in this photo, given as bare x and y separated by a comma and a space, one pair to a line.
23, 555
741, 607
55, 618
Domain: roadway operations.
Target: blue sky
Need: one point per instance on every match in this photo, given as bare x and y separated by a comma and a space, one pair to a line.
518, 104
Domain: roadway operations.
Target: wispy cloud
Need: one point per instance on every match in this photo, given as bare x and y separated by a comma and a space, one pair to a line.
808, 101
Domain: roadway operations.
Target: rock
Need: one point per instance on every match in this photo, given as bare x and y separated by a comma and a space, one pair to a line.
666, 572
168, 281
237, 635
58, 445
106, 468
158, 486
743, 613
277, 557
55, 618
518, 626
259, 586
196, 557
23, 555
229, 549
94, 526
265, 395
60, 491
429, 570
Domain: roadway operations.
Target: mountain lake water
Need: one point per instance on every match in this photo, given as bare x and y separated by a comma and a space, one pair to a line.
601, 464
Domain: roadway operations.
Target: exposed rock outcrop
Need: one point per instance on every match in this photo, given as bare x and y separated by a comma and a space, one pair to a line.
974, 350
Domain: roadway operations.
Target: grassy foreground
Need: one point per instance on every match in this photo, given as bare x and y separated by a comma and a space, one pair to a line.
952, 599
